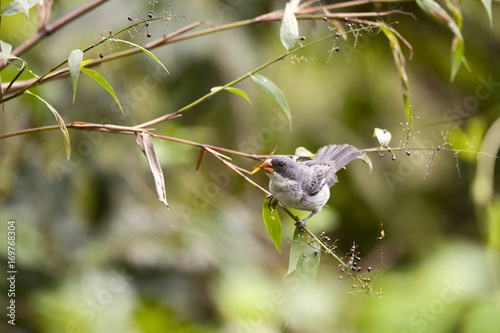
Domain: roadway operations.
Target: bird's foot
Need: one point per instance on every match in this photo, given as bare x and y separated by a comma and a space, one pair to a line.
301, 224
272, 202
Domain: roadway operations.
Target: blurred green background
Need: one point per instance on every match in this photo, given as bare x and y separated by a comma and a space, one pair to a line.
97, 252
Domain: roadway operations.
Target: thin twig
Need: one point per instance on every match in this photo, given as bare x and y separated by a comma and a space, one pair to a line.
51, 28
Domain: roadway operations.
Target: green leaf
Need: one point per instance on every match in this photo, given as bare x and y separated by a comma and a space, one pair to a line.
272, 222
5, 47
434, 10
143, 50
289, 31
99, 79
275, 93
4, 55
236, 91
303, 152
60, 123
487, 6
300, 239
457, 56
400, 61
19, 6
365, 158
308, 264
383, 136
74, 64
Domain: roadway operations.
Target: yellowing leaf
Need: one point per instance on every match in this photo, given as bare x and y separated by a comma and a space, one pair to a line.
146, 145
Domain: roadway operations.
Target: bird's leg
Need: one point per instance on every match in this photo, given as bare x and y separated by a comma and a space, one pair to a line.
302, 223
272, 202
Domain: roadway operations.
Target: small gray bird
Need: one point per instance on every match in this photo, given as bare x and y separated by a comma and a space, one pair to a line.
306, 185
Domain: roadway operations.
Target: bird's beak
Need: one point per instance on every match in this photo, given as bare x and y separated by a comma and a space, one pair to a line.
267, 166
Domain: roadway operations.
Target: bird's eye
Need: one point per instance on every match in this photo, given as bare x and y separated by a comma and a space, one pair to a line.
281, 165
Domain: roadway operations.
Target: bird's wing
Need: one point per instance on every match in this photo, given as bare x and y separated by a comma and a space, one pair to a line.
337, 155
319, 176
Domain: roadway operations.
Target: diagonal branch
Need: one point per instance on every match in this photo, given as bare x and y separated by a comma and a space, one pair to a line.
51, 28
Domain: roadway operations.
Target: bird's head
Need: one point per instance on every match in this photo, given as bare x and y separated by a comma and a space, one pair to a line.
280, 164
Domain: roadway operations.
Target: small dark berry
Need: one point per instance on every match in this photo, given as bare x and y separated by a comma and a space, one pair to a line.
302, 38
369, 269
325, 19
393, 157
130, 18
337, 49
101, 55
337, 35
147, 25
408, 153
110, 32
150, 15
148, 35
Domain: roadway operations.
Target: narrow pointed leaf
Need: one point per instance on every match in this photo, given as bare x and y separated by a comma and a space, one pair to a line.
289, 31
19, 6
74, 64
275, 93
146, 145
60, 123
487, 6
102, 81
434, 10
457, 56
236, 91
308, 263
143, 50
272, 222
400, 61
300, 239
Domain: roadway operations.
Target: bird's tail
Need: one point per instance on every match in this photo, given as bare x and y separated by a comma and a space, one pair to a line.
338, 155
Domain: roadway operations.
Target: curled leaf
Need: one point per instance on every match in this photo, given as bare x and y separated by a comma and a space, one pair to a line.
434, 10
400, 61
60, 123
272, 90
102, 81
236, 91
143, 50
146, 145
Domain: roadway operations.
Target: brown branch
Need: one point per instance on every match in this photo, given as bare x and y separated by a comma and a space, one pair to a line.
51, 28
181, 35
